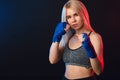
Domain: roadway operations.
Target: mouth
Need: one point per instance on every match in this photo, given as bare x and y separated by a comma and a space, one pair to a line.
74, 25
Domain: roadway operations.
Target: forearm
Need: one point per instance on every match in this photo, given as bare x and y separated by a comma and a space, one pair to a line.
54, 53
96, 65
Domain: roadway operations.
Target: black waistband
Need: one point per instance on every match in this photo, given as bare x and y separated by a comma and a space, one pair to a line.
87, 78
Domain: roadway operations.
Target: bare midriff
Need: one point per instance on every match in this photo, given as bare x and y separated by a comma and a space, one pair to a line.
76, 72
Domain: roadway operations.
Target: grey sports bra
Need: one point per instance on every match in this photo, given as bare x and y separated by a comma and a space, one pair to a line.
76, 57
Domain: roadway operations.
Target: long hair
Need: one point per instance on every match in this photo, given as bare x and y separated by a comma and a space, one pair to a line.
78, 6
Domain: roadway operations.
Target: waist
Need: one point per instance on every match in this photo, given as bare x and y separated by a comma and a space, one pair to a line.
73, 72
86, 78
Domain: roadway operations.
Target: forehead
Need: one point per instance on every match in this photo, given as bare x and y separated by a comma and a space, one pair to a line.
70, 11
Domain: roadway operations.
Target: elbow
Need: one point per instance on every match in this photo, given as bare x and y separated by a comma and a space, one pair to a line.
52, 61
99, 74
99, 71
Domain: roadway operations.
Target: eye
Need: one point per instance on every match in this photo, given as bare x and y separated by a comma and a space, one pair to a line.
75, 14
68, 17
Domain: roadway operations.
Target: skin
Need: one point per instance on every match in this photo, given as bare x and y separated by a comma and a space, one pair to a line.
76, 22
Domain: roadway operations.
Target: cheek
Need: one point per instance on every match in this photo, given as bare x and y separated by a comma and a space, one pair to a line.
80, 21
69, 22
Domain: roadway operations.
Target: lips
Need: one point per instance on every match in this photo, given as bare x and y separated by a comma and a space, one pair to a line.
74, 25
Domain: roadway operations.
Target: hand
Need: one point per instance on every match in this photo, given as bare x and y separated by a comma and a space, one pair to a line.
59, 31
88, 46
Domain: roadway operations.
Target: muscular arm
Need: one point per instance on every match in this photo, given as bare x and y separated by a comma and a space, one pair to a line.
57, 48
98, 62
55, 53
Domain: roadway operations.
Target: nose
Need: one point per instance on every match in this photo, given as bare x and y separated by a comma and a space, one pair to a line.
73, 19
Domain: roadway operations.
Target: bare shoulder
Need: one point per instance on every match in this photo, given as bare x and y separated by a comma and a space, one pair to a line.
97, 42
94, 36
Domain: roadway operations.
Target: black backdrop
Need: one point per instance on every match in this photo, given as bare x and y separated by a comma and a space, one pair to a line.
26, 29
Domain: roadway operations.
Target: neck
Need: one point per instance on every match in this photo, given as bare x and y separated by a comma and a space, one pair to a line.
82, 30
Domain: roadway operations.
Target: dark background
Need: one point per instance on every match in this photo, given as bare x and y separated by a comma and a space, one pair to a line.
26, 29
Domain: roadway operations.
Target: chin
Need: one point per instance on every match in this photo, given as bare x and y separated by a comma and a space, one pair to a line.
76, 28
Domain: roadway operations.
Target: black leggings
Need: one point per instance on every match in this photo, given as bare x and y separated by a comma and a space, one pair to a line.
87, 78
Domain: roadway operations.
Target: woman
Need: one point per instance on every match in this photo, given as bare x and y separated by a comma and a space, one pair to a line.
77, 43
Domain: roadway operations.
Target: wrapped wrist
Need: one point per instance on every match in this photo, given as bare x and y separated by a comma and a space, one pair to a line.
88, 46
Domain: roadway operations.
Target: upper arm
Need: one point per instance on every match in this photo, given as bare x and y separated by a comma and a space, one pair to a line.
97, 43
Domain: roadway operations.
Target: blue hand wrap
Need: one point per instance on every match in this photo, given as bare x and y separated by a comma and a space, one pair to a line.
88, 46
59, 31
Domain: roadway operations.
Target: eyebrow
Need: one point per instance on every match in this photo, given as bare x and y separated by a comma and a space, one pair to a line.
73, 14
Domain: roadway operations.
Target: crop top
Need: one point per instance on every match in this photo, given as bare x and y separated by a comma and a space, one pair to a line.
76, 57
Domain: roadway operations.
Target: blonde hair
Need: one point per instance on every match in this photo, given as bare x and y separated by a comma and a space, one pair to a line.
80, 8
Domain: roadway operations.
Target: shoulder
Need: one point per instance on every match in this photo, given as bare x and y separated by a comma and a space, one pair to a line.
96, 39
94, 36
97, 42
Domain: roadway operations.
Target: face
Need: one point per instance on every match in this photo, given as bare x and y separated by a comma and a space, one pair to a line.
74, 19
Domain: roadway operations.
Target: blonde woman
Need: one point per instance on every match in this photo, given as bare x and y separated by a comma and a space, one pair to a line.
80, 47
